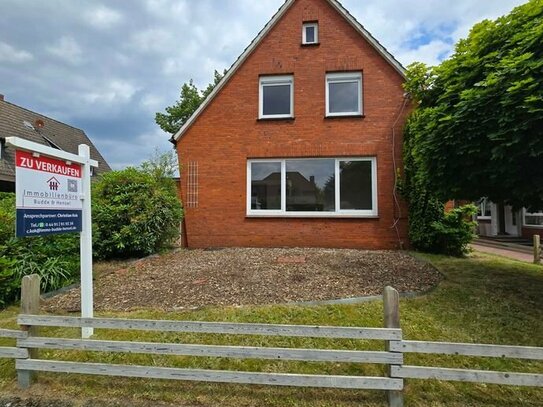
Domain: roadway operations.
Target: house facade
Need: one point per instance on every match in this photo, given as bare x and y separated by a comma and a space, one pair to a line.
503, 220
16, 121
300, 143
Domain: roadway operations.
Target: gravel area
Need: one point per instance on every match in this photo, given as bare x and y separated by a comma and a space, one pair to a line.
188, 279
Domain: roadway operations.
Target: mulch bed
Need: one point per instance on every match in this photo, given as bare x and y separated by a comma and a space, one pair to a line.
188, 279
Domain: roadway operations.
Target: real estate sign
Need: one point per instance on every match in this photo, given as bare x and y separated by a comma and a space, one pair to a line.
48, 195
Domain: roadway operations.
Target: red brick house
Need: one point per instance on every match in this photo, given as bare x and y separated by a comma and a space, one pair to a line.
299, 144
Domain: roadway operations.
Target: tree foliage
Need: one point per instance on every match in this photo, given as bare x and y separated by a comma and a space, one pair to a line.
478, 128
189, 100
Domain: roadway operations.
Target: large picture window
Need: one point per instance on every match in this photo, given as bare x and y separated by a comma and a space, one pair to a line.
344, 94
312, 187
276, 97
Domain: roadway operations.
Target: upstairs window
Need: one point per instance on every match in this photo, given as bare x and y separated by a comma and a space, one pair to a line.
344, 94
310, 33
276, 97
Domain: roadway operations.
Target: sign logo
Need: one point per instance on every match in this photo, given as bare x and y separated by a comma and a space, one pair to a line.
53, 183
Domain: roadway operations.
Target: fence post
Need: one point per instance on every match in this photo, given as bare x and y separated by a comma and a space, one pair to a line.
537, 249
30, 304
391, 303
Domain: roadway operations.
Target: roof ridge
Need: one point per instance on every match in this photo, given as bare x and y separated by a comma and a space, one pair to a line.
42, 115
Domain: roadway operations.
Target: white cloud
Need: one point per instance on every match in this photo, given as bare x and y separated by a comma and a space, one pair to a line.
153, 102
177, 10
431, 54
115, 91
102, 17
10, 54
67, 49
156, 40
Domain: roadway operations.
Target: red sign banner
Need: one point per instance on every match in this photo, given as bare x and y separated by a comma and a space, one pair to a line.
25, 159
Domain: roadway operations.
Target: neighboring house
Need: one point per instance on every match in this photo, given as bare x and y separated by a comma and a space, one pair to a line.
300, 143
503, 220
20, 122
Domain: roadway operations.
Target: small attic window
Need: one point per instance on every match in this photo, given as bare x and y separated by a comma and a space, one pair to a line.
28, 125
310, 33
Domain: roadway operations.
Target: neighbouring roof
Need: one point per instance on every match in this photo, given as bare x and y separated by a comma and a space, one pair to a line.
20, 122
267, 28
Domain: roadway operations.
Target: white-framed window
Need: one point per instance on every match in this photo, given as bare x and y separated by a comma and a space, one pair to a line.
276, 97
310, 33
344, 94
534, 219
484, 209
312, 187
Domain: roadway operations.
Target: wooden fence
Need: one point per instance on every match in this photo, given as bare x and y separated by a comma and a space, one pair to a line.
29, 342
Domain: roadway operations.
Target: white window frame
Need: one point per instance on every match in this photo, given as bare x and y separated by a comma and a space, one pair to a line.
484, 201
338, 213
276, 80
315, 25
341, 77
528, 225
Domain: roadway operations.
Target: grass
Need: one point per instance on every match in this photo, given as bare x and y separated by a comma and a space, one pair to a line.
482, 299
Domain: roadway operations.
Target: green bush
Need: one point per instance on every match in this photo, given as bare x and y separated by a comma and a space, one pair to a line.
55, 258
436, 231
136, 212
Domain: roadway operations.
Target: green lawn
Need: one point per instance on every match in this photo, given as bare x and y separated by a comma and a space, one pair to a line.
484, 299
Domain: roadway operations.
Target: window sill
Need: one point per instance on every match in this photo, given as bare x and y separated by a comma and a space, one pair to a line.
311, 215
346, 116
311, 44
533, 226
276, 119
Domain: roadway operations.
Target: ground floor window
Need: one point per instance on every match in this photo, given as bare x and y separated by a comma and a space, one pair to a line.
484, 208
533, 218
312, 187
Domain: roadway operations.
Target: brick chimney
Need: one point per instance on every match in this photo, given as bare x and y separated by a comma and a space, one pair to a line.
1, 97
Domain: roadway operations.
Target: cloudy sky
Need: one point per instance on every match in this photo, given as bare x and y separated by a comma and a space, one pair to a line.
107, 66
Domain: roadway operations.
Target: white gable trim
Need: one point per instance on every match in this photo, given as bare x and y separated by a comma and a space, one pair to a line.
267, 28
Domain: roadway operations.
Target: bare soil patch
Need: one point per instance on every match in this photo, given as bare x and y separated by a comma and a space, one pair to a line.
198, 278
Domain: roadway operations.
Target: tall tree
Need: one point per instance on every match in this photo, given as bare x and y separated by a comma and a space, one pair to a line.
478, 128
189, 100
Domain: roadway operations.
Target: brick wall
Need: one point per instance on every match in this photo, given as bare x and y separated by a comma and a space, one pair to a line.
227, 133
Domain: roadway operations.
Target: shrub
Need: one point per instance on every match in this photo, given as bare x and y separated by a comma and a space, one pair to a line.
55, 258
136, 212
436, 231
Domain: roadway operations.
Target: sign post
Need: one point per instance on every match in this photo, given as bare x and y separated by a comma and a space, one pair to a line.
53, 195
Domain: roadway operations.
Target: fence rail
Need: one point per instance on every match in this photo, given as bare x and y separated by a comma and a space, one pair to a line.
214, 327
469, 349
466, 375
10, 333
29, 342
222, 376
240, 352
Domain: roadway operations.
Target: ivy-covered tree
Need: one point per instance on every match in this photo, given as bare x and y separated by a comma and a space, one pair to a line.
189, 100
478, 127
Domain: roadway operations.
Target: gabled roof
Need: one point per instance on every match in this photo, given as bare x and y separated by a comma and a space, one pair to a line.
20, 122
267, 28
